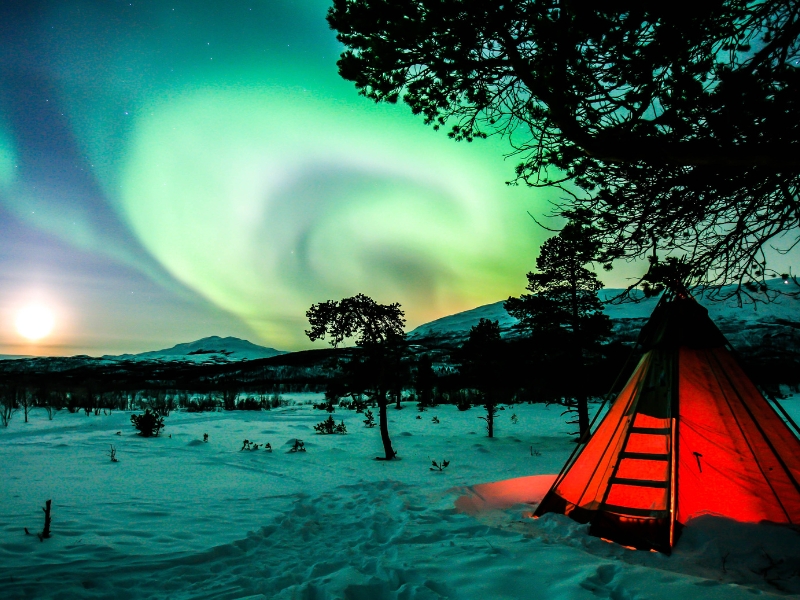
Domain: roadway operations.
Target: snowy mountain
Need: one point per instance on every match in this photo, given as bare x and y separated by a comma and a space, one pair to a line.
750, 325
209, 349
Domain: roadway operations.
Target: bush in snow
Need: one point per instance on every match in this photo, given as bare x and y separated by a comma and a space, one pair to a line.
299, 446
439, 466
249, 403
329, 426
148, 423
276, 401
206, 404
370, 420
327, 404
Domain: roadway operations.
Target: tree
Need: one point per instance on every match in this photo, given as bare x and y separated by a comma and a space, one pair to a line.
8, 403
378, 332
25, 400
676, 129
563, 308
424, 381
481, 362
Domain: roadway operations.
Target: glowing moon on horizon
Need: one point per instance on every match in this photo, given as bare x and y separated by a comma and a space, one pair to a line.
35, 322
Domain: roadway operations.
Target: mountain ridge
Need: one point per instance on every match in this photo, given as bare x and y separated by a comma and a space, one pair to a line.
745, 325
208, 349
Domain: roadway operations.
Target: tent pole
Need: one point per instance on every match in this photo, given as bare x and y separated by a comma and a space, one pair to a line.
675, 410
771, 399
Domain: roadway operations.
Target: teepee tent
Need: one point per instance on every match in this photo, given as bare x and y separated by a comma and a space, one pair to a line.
688, 435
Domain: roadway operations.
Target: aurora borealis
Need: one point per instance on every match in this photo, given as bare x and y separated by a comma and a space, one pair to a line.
171, 170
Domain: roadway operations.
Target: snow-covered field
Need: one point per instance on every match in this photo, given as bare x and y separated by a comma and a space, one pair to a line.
180, 518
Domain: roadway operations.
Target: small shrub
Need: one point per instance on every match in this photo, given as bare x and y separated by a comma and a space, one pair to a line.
435, 420
113, 454
514, 419
248, 445
149, 424
276, 401
205, 438
370, 420
439, 466
249, 403
329, 426
299, 446
268, 447
207, 404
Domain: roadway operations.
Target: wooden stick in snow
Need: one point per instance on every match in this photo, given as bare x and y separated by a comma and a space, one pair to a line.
46, 531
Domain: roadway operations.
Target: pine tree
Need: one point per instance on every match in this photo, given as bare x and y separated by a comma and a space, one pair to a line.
563, 307
424, 381
481, 365
380, 345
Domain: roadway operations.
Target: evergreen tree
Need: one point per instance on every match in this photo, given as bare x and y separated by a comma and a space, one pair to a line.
481, 365
563, 308
379, 337
424, 380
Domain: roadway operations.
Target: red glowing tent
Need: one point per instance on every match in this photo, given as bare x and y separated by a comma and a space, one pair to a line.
689, 435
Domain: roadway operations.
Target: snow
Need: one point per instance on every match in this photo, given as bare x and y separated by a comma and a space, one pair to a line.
208, 349
180, 518
728, 315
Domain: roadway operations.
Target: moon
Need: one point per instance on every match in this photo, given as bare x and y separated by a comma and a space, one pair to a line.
35, 322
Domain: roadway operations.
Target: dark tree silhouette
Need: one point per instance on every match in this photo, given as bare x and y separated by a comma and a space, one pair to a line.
677, 129
481, 364
379, 337
563, 301
424, 381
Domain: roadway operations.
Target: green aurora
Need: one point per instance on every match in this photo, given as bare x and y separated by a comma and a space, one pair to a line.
227, 159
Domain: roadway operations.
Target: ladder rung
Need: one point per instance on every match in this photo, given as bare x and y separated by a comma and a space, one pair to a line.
640, 482
651, 430
636, 512
644, 456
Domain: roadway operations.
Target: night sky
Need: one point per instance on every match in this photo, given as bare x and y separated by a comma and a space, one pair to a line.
172, 170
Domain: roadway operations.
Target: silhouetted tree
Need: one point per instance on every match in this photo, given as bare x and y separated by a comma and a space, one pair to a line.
563, 308
676, 128
481, 365
379, 337
8, 403
424, 381
25, 399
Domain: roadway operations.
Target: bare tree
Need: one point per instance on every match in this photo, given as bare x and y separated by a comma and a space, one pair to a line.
8, 404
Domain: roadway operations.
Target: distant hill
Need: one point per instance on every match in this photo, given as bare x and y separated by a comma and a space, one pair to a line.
209, 349
747, 327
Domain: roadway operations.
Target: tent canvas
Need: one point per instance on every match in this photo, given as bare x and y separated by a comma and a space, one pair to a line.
689, 435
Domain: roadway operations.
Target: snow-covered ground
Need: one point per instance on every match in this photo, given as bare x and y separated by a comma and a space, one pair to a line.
180, 518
